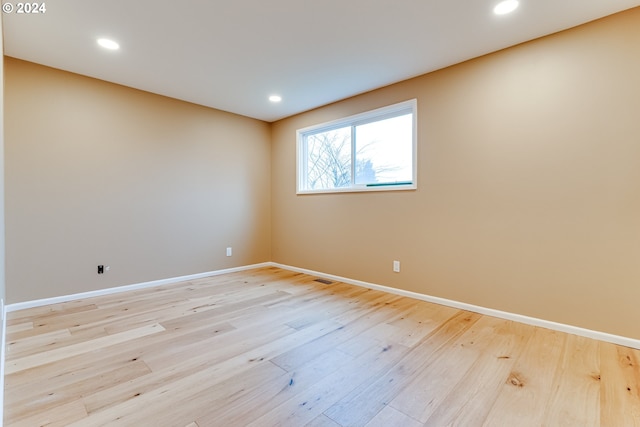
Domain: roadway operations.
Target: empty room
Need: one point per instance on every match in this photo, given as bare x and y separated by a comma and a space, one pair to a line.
289, 213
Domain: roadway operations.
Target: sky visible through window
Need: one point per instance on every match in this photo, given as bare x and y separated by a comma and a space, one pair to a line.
388, 145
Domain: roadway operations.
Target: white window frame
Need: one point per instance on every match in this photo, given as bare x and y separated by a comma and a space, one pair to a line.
410, 106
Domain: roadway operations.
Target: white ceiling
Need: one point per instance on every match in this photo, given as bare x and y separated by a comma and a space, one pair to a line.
231, 55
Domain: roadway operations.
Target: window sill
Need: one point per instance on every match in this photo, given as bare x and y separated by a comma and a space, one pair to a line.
362, 189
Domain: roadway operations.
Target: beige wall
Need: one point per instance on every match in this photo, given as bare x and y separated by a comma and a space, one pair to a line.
102, 174
529, 185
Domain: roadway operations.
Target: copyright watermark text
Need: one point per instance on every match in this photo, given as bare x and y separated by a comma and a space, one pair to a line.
24, 8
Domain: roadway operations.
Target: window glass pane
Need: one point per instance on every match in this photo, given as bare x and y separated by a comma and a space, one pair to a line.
370, 151
384, 151
328, 159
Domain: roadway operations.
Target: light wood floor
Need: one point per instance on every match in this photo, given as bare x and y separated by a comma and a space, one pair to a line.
270, 347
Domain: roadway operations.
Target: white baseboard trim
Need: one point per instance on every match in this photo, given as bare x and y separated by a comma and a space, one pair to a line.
125, 288
601, 336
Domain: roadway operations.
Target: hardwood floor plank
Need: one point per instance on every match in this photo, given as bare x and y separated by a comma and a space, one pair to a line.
316, 399
200, 364
420, 322
29, 345
469, 402
19, 327
575, 397
121, 353
34, 360
50, 311
18, 389
350, 327
322, 421
371, 396
232, 409
274, 347
392, 417
619, 386
192, 403
48, 398
429, 388
136, 412
59, 416
527, 391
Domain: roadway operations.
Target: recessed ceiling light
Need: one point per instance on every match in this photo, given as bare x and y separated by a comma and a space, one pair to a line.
108, 44
275, 98
506, 6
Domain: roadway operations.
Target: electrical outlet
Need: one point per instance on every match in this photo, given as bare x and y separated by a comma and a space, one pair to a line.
396, 266
229, 251
100, 269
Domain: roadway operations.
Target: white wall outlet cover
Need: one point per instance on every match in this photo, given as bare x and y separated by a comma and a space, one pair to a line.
396, 266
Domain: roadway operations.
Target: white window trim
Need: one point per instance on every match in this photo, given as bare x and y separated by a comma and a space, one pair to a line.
358, 119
